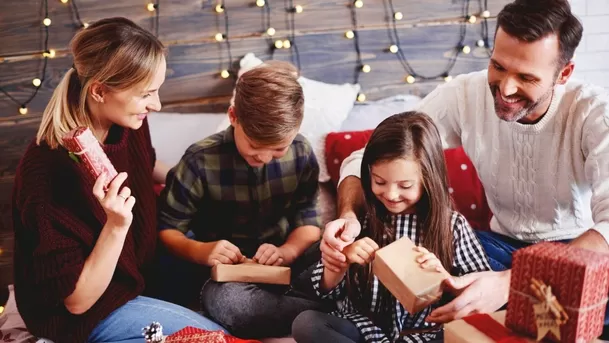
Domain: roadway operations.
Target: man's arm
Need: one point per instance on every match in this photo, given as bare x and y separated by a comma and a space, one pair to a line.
298, 242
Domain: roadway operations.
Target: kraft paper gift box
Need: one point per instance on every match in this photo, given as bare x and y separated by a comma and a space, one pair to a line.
396, 267
559, 292
85, 149
251, 272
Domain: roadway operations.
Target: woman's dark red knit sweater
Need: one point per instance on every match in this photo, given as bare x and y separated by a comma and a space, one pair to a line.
57, 220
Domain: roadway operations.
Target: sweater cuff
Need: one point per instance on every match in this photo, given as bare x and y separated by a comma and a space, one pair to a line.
603, 229
350, 167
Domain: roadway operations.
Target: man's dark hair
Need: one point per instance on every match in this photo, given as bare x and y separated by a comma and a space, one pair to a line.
531, 20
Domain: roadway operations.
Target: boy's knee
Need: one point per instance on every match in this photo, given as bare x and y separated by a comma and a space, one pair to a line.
228, 303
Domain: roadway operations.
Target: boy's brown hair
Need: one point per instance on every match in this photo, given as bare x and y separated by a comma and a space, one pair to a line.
269, 104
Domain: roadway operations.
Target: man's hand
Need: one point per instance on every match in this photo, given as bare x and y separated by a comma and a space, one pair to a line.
482, 292
337, 235
269, 255
221, 252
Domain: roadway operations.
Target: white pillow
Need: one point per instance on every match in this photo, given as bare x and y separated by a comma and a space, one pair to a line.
173, 133
368, 115
326, 107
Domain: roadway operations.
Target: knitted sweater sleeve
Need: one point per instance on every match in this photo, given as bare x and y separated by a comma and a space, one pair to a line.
53, 260
595, 147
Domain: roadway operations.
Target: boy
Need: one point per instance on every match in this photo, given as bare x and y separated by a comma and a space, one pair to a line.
248, 192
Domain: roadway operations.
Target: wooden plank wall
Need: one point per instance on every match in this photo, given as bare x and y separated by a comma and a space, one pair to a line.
428, 32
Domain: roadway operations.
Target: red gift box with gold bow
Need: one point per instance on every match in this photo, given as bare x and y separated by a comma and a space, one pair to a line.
559, 292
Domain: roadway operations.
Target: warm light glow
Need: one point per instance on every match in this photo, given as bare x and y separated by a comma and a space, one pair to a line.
298, 9
358, 3
398, 15
51, 53
224, 74
219, 8
394, 49
36, 82
366, 68
23, 110
46, 22
64, 1
480, 43
151, 7
349, 34
219, 37
486, 14
287, 44
466, 49
361, 97
278, 44
260, 3
472, 19
410, 79
270, 31
85, 25
448, 78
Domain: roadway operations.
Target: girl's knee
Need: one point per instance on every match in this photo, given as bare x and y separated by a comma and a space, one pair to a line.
303, 324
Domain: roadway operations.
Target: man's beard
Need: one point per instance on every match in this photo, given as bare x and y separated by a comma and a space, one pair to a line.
528, 107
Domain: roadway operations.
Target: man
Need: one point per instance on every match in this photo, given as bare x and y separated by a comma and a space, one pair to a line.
539, 142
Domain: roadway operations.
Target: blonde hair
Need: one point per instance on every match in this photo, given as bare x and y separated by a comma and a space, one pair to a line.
269, 104
113, 51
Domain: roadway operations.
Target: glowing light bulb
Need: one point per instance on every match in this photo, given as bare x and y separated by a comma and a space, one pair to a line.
361, 97
366, 68
23, 110
224, 74
298, 9
219, 37
394, 49
287, 44
36, 82
349, 34
64, 1
410, 79
46, 22
270, 31
151, 7
260, 3
398, 15
448, 78
358, 3
466, 49
85, 25
486, 14
278, 44
472, 19
480, 43
51, 53
219, 8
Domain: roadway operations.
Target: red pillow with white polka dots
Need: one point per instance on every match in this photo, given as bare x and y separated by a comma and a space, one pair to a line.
465, 187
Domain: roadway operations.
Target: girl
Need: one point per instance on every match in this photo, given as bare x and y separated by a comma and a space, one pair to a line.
406, 191
81, 253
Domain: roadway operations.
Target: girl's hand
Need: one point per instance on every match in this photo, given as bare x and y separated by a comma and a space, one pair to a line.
117, 205
361, 251
428, 260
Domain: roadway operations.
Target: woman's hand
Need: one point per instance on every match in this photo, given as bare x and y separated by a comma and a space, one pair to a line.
361, 251
118, 205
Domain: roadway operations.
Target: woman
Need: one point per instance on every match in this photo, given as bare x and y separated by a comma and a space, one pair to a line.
81, 252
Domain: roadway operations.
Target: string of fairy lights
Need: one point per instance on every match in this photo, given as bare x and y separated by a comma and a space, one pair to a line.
288, 42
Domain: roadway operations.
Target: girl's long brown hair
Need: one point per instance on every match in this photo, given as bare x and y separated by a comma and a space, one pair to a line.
405, 135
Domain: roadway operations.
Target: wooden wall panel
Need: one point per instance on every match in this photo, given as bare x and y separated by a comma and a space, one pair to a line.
196, 20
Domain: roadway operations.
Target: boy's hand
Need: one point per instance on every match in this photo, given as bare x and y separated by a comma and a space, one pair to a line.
428, 260
361, 251
269, 255
222, 252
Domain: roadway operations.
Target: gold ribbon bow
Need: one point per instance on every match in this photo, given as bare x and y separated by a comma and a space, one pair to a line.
549, 313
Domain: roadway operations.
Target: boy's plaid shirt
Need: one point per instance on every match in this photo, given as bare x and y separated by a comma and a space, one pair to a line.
216, 194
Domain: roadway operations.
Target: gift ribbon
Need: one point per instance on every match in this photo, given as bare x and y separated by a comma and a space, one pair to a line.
493, 329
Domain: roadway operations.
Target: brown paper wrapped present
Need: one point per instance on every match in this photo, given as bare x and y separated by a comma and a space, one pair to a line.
396, 267
252, 272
